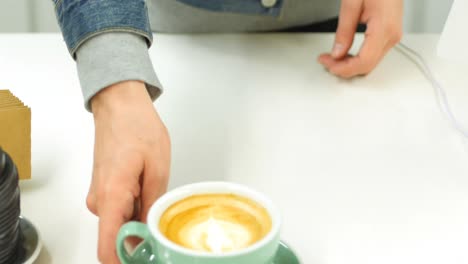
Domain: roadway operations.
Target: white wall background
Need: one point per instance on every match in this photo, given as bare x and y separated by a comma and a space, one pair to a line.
38, 15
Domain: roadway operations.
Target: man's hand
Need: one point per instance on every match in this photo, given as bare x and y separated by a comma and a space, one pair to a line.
131, 160
384, 30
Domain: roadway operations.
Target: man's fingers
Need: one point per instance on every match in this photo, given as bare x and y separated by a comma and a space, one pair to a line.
373, 49
154, 185
91, 202
156, 174
383, 21
347, 24
114, 211
330, 63
369, 56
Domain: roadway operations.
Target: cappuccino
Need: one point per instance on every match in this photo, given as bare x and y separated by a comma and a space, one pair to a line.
216, 223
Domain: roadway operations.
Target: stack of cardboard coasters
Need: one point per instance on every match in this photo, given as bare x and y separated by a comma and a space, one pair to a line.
15, 131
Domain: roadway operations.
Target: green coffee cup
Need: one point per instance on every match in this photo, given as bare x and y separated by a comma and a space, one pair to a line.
253, 239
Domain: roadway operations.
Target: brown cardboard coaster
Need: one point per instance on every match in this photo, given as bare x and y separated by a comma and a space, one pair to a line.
15, 132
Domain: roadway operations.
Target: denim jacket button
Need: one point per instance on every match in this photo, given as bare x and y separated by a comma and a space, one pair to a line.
268, 3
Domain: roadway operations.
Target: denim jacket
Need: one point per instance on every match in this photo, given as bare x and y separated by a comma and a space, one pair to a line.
82, 19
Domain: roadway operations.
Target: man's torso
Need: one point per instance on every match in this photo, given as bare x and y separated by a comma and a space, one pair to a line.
190, 16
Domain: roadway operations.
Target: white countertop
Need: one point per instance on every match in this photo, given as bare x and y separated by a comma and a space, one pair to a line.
364, 171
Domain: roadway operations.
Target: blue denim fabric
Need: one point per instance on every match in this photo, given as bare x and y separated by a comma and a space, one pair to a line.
83, 19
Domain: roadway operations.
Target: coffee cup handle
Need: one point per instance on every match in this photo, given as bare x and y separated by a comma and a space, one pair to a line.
130, 229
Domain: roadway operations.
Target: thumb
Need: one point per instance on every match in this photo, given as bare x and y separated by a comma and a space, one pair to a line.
350, 13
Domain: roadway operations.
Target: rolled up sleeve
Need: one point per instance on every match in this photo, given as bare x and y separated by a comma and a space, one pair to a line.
82, 20
111, 58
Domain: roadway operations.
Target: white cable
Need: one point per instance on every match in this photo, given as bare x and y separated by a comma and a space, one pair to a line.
439, 90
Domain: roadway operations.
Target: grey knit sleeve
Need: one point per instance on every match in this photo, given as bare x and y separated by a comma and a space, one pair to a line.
114, 57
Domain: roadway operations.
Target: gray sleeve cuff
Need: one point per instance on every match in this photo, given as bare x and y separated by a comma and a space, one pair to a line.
110, 58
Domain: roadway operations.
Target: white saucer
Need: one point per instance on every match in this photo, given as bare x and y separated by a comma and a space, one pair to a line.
31, 241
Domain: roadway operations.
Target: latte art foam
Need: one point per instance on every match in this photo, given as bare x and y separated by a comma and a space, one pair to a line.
216, 223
